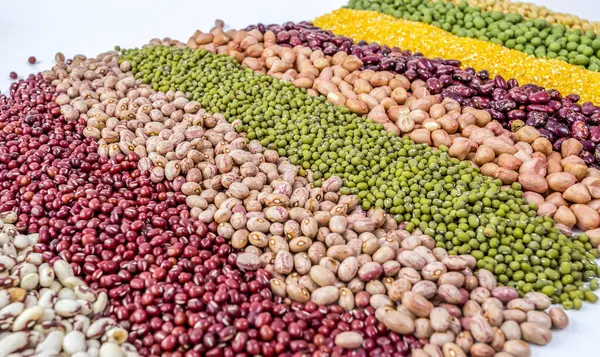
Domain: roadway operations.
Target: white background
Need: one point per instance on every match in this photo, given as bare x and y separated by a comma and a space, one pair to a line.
41, 28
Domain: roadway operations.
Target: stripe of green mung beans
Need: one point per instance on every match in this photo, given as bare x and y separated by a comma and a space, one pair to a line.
466, 212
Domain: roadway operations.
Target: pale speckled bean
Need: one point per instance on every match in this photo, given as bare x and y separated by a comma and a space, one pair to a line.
451, 349
559, 319
433, 271
472, 308
433, 350
297, 293
481, 329
450, 294
487, 280
349, 340
505, 294
248, 261
397, 321
423, 328
464, 340
536, 333
517, 348
494, 316
440, 319
425, 288
521, 304
539, 317
322, 276
511, 330
325, 295
441, 338
482, 350
540, 300
411, 259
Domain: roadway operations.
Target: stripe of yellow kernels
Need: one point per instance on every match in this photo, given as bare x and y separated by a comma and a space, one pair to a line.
432, 42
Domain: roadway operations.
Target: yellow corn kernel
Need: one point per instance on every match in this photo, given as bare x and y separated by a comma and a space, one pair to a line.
432, 42
533, 11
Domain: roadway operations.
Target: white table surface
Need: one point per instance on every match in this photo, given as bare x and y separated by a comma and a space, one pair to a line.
41, 28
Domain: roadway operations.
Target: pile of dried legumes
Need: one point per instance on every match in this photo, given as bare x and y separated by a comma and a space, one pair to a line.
298, 195
555, 176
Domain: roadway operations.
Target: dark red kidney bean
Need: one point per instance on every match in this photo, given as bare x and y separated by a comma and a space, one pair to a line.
540, 108
462, 76
516, 114
579, 130
597, 153
426, 64
546, 134
518, 95
588, 145
499, 94
434, 85
480, 102
539, 98
559, 130
595, 134
554, 105
500, 82
587, 157
496, 114
537, 119
445, 70
503, 105
558, 144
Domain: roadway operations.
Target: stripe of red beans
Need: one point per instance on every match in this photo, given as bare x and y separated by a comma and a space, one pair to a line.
171, 281
557, 117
